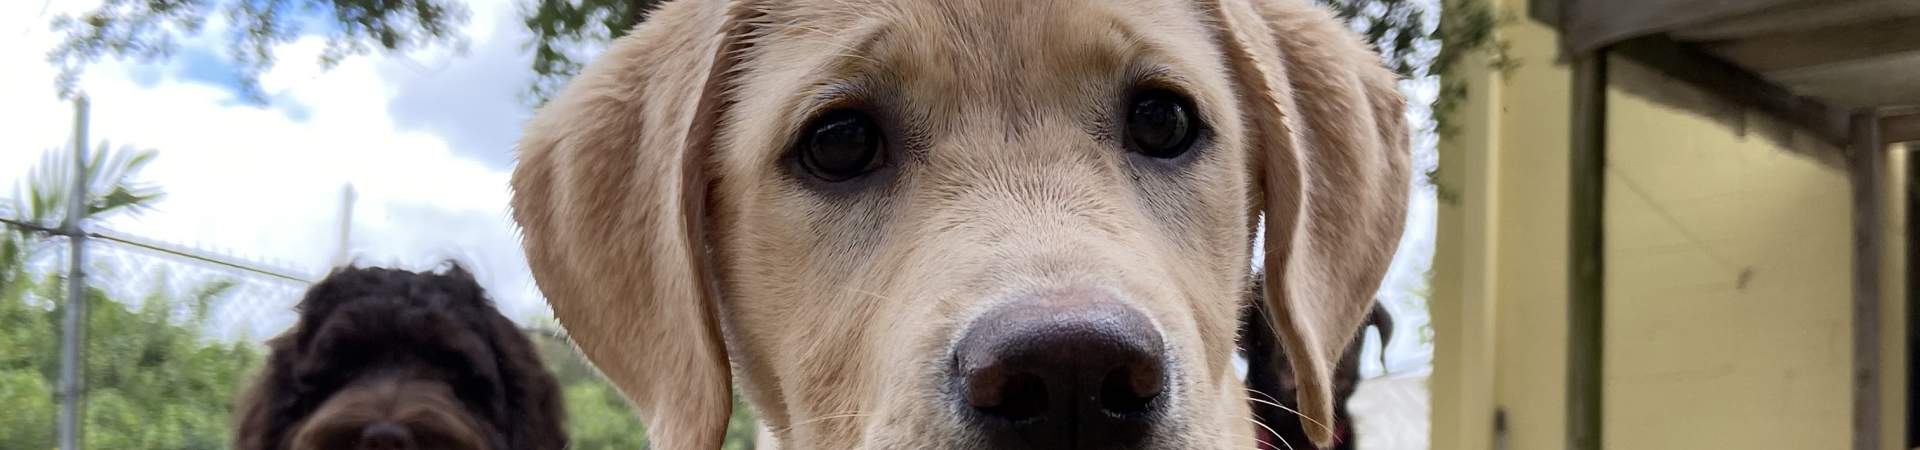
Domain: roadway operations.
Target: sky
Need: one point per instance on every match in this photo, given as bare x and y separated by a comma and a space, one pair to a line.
424, 138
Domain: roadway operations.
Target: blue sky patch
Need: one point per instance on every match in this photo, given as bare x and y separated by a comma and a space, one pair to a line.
145, 75
294, 110
203, 59
203, 65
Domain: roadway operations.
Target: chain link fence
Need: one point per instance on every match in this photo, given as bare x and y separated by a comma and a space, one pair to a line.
249, 305
173, 334
170, 336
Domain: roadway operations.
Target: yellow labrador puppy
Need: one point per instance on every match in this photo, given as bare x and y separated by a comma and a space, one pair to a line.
964, 224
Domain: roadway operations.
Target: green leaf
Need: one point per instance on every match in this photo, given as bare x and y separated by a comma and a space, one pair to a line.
149, 30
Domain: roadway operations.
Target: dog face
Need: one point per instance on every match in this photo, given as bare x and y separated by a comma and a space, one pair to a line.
975, 224
393, 360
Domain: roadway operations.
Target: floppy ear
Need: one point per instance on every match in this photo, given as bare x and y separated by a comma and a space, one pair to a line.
265, 410
610, 196
1329, 147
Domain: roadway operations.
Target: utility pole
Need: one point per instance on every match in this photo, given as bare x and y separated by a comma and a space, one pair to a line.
73, 334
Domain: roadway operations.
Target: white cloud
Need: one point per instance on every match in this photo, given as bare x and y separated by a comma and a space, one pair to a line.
256, 181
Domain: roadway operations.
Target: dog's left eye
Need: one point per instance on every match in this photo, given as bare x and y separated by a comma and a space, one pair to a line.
1161, 124
841, 145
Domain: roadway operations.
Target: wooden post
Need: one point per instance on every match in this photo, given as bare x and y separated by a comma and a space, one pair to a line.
1912, 198
1866, 167
1586, 283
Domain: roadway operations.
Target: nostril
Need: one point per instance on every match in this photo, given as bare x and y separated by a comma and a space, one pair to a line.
1128, 392
1069, 369
1023, 397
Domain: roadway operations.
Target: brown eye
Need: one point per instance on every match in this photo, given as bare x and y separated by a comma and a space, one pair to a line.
841, 145
1161, 124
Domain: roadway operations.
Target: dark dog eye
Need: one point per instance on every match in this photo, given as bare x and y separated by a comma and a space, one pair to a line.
1161, 124
841, 145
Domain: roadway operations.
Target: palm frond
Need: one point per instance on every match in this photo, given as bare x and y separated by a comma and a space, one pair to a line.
204, 295
112, 181
111, 178
113, 187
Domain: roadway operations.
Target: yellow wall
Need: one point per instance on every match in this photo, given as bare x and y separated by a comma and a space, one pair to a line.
1499, 306
1728, 279
1728, 268
1464, 251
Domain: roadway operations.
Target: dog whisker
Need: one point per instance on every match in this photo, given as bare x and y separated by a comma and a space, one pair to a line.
1276, 435
875, 295
845, 50
1223, 435
1276, 404
845, 415
1264, 402
1269, 397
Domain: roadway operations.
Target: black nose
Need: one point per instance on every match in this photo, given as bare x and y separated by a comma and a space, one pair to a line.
1073, 369
385, 436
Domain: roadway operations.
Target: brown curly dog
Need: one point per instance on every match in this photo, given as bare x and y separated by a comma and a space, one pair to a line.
396, 360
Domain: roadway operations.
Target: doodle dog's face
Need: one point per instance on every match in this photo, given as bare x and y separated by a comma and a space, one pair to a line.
963, 224
394, 360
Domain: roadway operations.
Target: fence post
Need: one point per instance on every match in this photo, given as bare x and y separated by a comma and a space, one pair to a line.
73, 332
347, 196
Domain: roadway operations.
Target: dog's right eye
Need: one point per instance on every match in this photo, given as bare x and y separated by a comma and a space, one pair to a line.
841, 145
1161, 124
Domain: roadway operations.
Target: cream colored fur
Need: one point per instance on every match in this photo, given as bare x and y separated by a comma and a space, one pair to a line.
679, 252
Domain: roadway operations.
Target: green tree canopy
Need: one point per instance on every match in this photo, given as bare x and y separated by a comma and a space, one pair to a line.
564, 31
563, 28
152, 29
153, 381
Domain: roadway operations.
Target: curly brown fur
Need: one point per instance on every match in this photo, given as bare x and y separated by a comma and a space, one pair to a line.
424, 352
1269, 374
